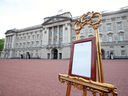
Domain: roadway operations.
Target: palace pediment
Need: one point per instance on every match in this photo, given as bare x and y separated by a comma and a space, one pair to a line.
57, 18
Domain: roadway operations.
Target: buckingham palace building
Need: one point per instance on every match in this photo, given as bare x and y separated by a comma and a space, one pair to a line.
52, 39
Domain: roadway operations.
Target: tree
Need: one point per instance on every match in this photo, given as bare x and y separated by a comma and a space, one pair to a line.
2, 44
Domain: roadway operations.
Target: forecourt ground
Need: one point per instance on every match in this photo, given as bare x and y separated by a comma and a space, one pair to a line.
32, 77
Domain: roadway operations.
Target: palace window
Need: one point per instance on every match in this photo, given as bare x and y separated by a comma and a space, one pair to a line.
21, 38
119, 25
28, 37
32, 44
33, 37
122, 46
37, 44
82, 31
56, 33
121, 37
111, 46
109, 27
20, 45
123, 53
99, 28
110, 38
36, 54
61, 42
118, 18
31, 54
51, 34
74, 32
100, 38
56, 42
24, 45
24, 38
107, 19
50, 43
37, 36
61, 33
17, 46
28, 45
90, 29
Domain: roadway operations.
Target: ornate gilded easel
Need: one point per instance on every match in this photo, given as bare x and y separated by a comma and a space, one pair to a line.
88, 85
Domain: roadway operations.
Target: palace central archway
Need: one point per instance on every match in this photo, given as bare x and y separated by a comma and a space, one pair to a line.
54, 53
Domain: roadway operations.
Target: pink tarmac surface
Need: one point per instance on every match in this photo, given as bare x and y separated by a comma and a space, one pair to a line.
32, 77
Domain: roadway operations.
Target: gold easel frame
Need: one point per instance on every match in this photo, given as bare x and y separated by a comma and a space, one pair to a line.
83, 84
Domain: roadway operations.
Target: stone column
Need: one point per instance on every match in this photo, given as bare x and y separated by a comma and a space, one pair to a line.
14, 41
43, 37
63, 33
69, 33
66, 33
30, 37
47, 38
58, 35
52, 35
39, 40
13, 45
5, 42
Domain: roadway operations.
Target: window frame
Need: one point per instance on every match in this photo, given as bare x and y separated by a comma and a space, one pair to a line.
109, 38
124, 52
119, 27
109, 27
121, 38
90, 29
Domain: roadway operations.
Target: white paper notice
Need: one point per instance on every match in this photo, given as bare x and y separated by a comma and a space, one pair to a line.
82, 59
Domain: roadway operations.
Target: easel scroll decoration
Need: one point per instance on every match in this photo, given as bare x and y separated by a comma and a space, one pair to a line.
89, 21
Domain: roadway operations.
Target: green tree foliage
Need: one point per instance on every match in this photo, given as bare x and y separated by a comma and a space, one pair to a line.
2, 44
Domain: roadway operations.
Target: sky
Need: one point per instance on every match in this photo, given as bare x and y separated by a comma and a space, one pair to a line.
25, 13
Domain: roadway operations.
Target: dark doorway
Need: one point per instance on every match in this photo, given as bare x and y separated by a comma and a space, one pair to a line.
28, 55
102, 52
60, 55
55, 54
48, 55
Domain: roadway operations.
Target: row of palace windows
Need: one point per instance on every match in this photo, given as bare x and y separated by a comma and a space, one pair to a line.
61, 33
123, 52
116, 18
108, 28
61, 42
28, 45
33, 37
9, 39
110, 38
8, 46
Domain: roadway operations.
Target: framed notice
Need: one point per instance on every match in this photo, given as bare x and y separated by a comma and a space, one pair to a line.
83, 59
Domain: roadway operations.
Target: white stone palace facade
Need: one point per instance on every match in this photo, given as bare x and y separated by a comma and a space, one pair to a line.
52, 39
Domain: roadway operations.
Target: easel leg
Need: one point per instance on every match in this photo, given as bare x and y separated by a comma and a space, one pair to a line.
84, 92
68, 90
